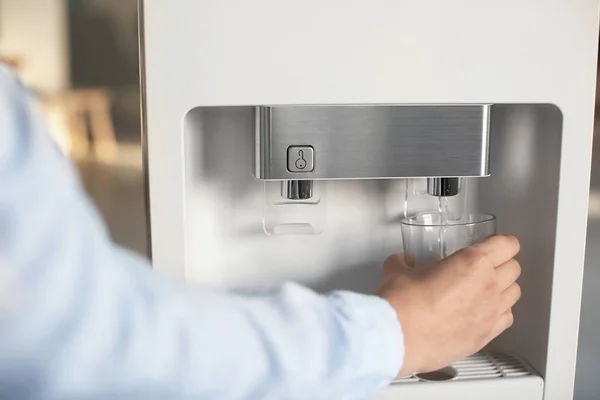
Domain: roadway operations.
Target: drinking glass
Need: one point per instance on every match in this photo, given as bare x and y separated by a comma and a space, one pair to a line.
428, 237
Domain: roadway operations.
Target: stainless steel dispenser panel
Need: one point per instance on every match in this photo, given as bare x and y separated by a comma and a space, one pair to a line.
372, 141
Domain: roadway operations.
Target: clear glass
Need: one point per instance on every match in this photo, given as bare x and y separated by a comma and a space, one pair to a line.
429, 237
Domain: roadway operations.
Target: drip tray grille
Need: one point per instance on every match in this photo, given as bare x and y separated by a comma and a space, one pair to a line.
483, 365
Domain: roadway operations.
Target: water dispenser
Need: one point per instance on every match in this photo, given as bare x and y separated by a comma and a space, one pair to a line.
287, 140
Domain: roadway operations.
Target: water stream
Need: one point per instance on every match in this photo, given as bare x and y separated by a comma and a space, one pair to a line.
443, 209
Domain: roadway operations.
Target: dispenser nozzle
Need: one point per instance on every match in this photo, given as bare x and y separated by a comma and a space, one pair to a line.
297, 189
444, 187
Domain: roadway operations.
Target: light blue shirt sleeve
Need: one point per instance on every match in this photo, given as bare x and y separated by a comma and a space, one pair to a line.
82, 319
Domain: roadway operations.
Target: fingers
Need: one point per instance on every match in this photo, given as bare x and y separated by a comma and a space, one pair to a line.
505, 321
498, 249
396, 263
510, 297
409, 260
508, 273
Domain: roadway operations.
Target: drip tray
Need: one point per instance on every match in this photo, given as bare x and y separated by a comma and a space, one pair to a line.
485, 375
484, 365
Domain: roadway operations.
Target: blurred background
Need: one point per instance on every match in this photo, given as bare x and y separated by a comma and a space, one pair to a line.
81, 57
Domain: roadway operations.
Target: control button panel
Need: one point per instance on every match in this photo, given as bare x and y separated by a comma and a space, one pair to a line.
300, 159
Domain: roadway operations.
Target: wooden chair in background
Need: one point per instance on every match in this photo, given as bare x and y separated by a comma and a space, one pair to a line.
84, 118
80, 119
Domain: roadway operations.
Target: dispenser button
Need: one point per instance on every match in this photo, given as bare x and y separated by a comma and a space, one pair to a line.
300, 159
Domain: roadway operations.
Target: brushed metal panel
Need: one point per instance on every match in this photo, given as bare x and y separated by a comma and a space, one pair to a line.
354, 142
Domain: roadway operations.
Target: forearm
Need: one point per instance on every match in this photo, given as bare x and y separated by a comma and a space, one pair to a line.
103, 332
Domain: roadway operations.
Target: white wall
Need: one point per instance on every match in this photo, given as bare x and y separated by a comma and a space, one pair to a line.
37, 32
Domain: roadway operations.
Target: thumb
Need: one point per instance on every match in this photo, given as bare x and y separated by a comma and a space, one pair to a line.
398, 263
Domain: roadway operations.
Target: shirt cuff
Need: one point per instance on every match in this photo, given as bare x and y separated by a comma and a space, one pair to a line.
383, 340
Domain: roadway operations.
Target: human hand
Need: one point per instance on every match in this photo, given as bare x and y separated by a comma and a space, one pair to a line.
451, 310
